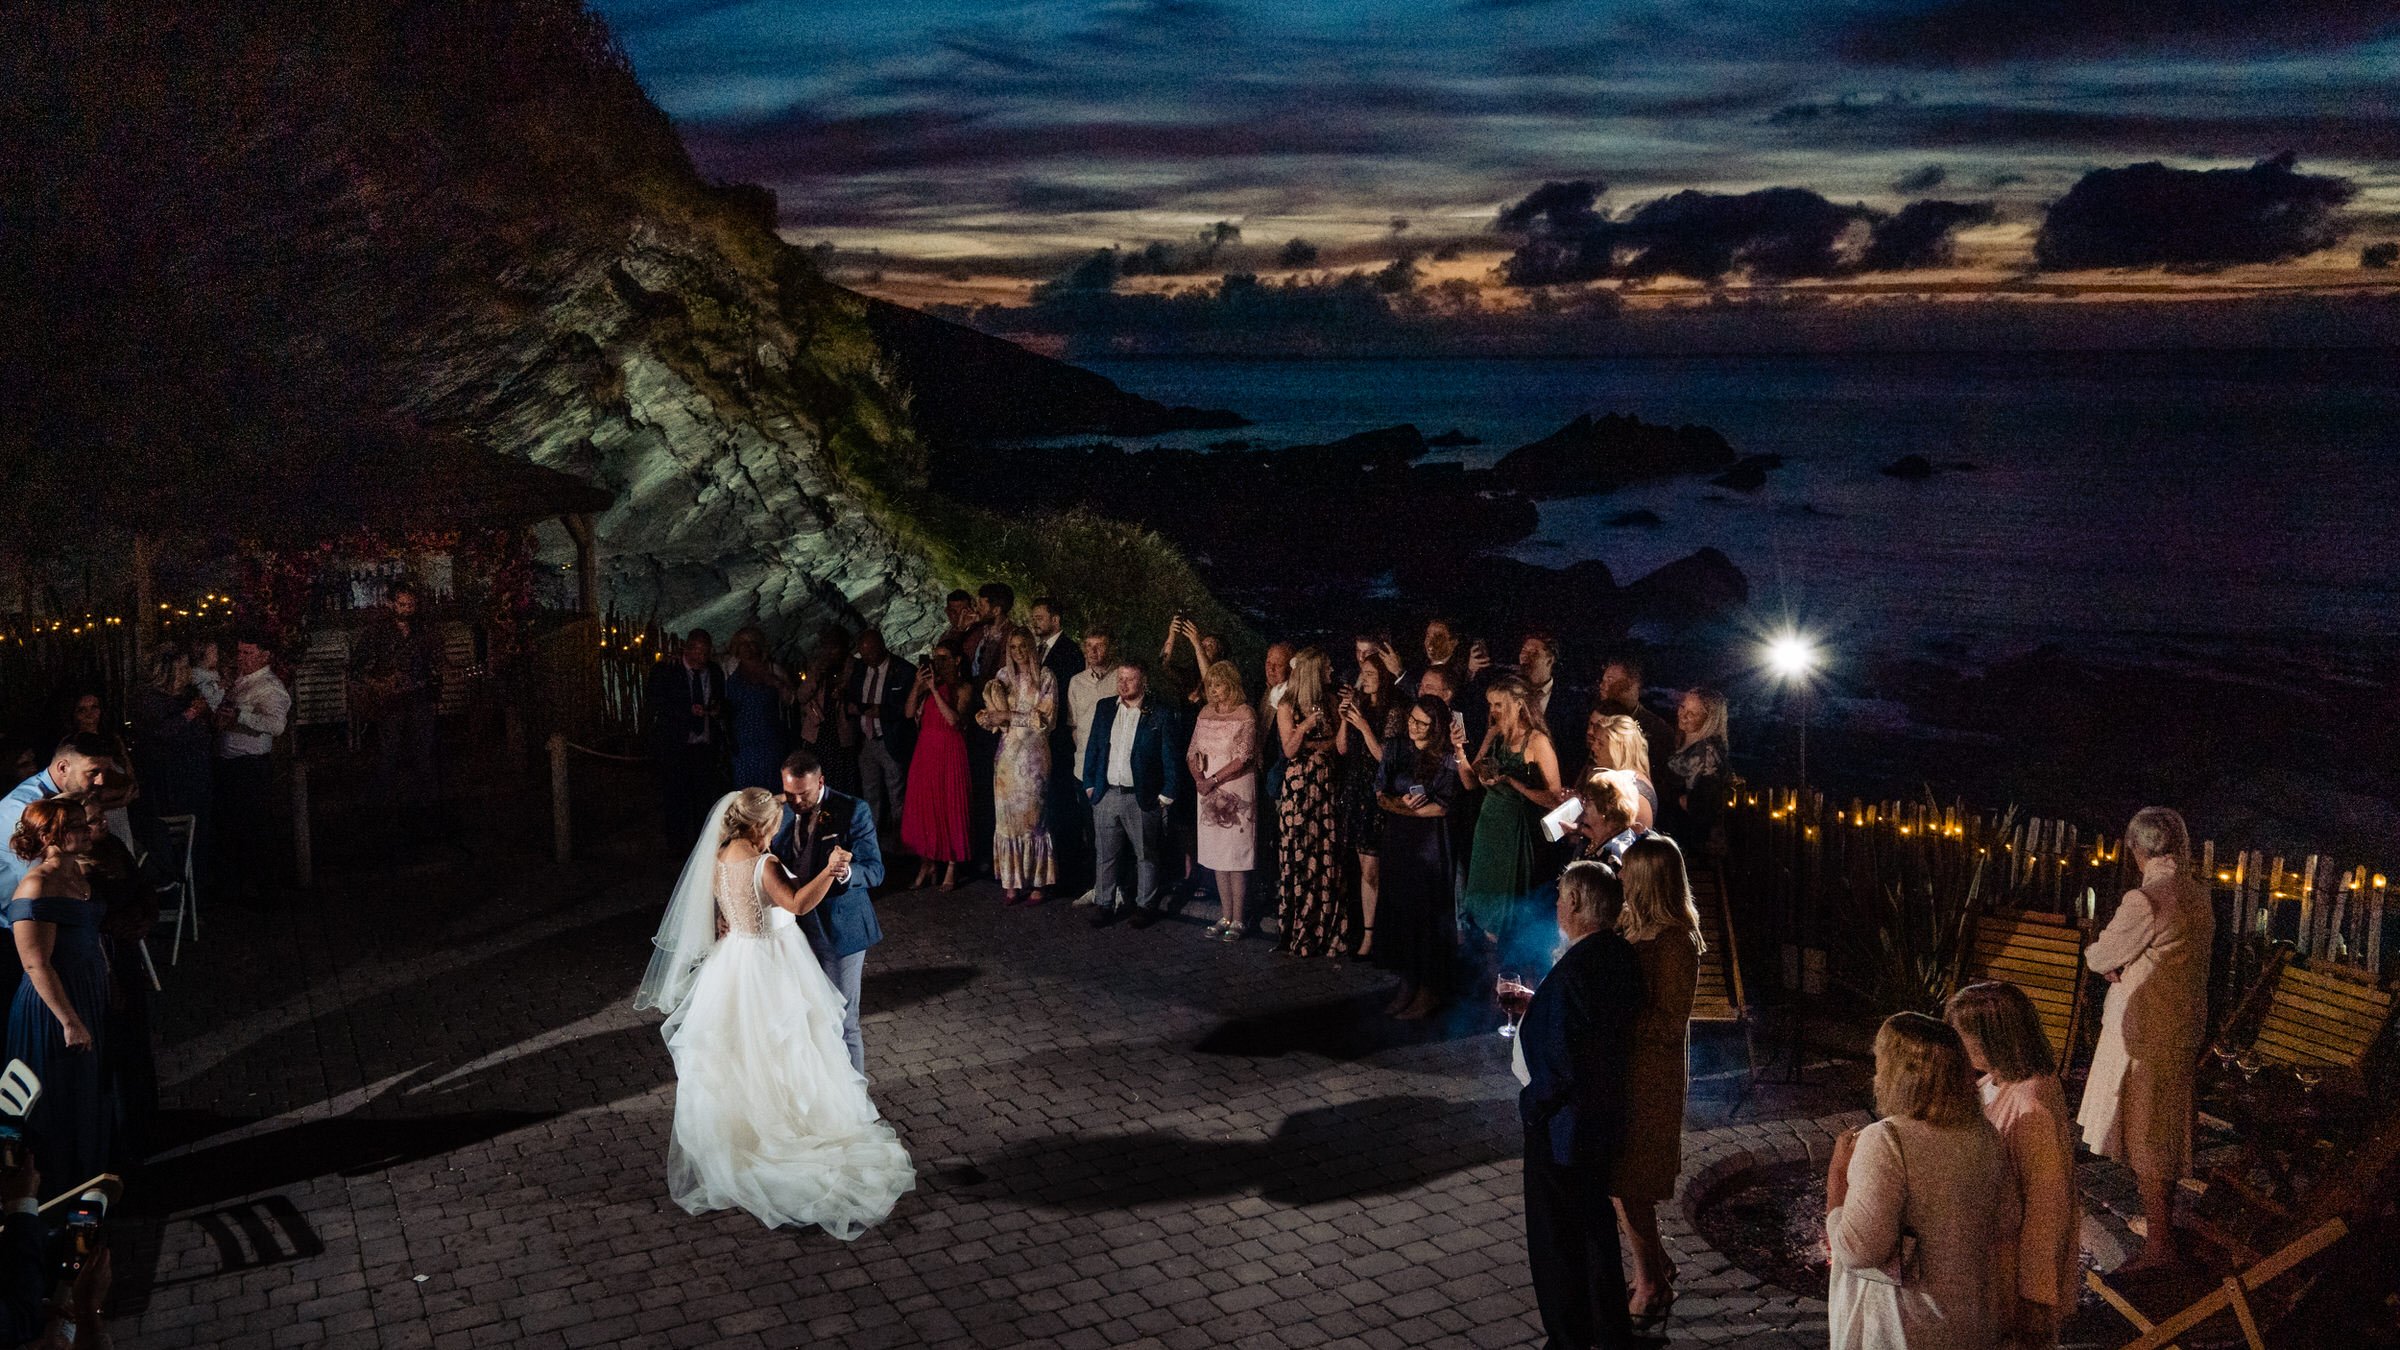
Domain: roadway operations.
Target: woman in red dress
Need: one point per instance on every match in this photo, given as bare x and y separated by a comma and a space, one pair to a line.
933, 819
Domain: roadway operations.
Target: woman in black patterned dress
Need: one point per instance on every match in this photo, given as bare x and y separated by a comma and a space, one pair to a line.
1367, 718
1309, 896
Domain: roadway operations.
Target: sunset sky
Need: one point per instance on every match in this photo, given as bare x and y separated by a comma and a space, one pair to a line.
982, 147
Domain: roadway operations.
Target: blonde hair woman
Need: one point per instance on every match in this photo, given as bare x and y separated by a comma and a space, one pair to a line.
1615, 741
1309, 843
1662, 924
1917, 1202
1223, 760
2137, 1103
1701, 767
770, 1116
1021, 704
2022, 1097
1519, 769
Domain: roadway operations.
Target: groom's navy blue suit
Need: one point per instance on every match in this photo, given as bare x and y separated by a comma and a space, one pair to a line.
841, 928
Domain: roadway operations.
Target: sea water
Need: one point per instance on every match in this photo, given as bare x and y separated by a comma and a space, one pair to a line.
2113, 499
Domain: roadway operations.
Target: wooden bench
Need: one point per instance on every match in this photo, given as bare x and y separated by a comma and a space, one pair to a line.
2319, 1020
2042, 955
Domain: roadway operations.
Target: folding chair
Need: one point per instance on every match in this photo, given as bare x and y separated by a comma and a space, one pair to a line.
182, 835
2044, 958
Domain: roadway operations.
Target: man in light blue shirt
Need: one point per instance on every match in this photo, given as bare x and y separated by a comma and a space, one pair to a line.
83, 762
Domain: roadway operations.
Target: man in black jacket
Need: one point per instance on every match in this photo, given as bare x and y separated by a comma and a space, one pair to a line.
688, 740
1576, 1041
1131, 775
876, 707
1070, 814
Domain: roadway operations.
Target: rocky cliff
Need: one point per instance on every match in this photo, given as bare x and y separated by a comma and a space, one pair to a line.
472, 215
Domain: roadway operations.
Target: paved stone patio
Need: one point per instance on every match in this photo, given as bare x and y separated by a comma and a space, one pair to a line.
419, 1111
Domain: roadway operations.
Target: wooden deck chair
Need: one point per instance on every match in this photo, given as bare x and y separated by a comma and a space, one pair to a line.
2321, 1020
2041, 955
1718, 997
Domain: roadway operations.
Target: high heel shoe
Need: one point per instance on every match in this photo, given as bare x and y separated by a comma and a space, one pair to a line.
1655, 1318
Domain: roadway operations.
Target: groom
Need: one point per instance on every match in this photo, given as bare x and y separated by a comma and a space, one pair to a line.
816, 822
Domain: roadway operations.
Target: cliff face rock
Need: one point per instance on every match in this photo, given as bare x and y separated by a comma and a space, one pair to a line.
265, 215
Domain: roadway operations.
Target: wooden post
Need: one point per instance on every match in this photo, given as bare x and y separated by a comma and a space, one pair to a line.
303, 847
587, 562
560, 814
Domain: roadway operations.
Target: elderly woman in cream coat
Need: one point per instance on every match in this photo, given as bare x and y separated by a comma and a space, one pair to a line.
2137, 1105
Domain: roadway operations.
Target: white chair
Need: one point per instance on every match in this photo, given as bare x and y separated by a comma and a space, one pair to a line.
182, 832
19, 1089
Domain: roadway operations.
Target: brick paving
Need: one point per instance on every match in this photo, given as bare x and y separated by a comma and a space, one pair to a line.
418, 1110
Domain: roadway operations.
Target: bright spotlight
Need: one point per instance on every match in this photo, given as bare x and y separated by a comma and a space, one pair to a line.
1791, 656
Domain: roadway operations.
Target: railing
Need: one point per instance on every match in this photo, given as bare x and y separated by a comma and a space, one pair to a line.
1879, 897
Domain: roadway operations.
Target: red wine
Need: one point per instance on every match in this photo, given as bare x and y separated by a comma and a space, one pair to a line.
1515, 999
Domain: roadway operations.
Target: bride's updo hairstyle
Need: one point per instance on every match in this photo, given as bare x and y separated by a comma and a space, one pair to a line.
750, 815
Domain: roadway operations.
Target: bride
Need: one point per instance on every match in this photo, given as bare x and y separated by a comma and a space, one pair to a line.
769, 1115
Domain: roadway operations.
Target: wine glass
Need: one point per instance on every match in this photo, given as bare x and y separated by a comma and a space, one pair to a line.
1515, 997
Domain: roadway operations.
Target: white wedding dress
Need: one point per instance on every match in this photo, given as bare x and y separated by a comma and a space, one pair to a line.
769, 1115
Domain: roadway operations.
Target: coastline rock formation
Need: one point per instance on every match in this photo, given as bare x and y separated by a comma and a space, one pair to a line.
1600, 454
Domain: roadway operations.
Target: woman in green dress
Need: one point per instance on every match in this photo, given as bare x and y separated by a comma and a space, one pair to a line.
1518, 769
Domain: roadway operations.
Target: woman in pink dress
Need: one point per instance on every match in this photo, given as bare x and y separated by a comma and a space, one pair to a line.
933, 819
1224, 764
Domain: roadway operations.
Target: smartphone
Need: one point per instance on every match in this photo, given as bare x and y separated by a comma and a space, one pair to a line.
1458, 724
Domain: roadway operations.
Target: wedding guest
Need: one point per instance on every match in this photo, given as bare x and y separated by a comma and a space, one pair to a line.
959, 608
995, 611
1095, 681
876, 704
1367, 717
205, 656
1308, 862
1931, 1170
128, 911
1562, 705
1183, 822
1700, 772
757, 689
1417, 910
1020, 706
59, 1024
686, 702
87, 715
1131, 775
2037, 1276
1518, 769
817, 716
1575, 1047
255, 712
1265, 886
817, 823
2137, 1103
1620, 691
1223, 761
1062, 656
1442, 652
79, 765
174, 734
1610, 822
1615, 741
1662, 924
396, 671
1375, 648
1469, 709
995, 602
933, 822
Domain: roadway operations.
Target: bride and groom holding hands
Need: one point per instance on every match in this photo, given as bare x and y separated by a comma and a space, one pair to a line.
757, 965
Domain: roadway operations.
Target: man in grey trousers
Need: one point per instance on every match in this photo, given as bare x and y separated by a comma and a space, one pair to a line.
1131, 774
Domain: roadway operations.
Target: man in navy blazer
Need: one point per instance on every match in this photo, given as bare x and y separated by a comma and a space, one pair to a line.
816, 821
1577, 1042
1131, 774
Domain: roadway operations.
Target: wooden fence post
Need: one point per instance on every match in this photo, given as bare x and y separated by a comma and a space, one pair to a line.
561, 816
303, 846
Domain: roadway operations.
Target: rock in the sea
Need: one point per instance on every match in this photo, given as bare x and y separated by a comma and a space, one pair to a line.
1703, 586
1597, 454
1910, 468
1626, 520
1452, 438
1750, 474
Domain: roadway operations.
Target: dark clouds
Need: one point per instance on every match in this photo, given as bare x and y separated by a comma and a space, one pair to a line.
1775, 234
2151, 215
1975, 32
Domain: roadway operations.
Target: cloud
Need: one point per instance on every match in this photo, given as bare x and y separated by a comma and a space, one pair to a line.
1921, 180
2151, 215
1981, 32
1774, 234
1921, 235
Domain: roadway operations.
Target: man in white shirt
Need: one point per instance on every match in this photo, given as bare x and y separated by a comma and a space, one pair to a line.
877, 702
83, 763
1085, 688
1132, 775
255, 712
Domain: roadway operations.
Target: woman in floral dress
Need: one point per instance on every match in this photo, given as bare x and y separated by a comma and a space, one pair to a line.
1309, 852
1021, 704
